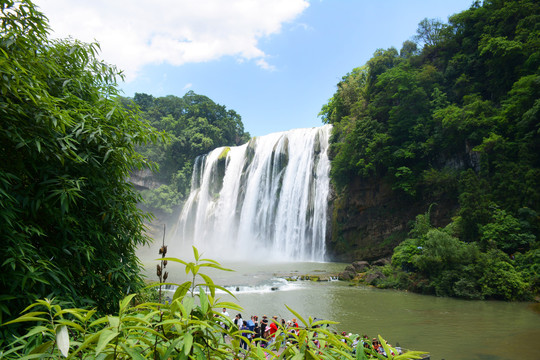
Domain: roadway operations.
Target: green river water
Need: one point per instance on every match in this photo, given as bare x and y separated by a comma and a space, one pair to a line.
446, 328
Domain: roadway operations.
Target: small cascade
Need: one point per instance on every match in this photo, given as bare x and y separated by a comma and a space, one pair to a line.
266, 199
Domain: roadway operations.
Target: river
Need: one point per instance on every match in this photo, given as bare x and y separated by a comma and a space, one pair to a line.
446, 328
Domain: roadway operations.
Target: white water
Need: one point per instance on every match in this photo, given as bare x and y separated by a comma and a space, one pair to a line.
266, 199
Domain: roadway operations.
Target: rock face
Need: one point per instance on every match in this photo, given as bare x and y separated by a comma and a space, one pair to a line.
144, 180
369, 219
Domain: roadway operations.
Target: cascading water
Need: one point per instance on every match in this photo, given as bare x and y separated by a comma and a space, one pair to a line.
264, 200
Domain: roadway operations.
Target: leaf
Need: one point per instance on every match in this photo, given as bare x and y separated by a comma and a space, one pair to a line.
411, 355
182, 290
188, 303
228, 305
323, 322
71, 324
210, 284
98, 321
172, 347
107, 154
173, 260
105, 338
204, 300
188, 341
385, 347
131, 352
298, 316
25, 318
360, 354
114, 321
195, 253
62, 340
145, 329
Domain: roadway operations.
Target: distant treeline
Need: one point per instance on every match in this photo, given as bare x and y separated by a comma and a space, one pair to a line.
194, 125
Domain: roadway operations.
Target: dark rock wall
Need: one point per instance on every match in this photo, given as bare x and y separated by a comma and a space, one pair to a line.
368, 219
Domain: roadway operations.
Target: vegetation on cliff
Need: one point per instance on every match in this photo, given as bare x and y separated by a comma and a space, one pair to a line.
453, 117
195, 125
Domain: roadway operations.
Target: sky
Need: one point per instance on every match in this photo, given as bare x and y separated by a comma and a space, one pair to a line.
274, 62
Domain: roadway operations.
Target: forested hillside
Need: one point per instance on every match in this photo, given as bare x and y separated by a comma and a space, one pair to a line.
195, 125
448, 123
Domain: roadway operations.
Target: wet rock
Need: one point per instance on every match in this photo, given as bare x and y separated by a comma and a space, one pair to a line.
346, 275
370, 278
360, 266
381, 262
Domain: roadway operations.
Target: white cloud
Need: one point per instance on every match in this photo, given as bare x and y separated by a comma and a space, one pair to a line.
187, 86
134, 33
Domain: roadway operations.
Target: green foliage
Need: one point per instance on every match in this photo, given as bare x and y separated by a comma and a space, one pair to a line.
70, 223
506, 233
453, 119
437, 262
499, 279
195, 125
164, 198
189, 327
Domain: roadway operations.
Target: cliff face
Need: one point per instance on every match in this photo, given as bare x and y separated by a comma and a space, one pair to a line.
369, 219
144, 179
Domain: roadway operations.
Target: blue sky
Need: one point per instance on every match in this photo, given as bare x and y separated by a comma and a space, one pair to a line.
275, 62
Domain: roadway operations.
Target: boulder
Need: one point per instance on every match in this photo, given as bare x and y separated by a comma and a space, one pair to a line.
381, 262
360, 266
370, 278
346, 275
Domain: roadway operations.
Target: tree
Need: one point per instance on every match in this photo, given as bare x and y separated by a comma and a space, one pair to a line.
429, 31
69, 220
195, 125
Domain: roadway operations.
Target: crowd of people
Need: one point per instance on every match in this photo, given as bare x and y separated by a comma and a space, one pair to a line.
263, 332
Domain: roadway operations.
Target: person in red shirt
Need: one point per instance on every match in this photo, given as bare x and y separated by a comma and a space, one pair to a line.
273, 327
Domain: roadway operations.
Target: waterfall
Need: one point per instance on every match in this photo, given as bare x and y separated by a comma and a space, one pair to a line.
265, 200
